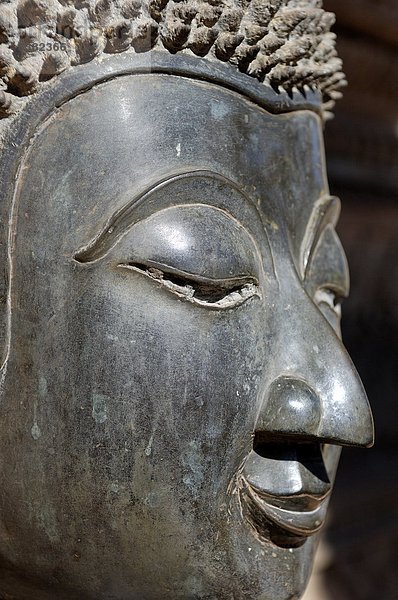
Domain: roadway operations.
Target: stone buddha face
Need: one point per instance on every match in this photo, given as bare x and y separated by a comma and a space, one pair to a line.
176, 392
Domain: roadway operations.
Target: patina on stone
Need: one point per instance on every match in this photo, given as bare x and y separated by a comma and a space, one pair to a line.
174, 390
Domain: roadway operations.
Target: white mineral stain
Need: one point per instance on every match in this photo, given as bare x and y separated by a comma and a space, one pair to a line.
218, 109
148, 449
125, 109
184, 399
35, 431
42, 386
99, 411
112, 338
114, 487
151, 500
178, 149
3, 373
48, 520
213, 431
188, 480
193, 461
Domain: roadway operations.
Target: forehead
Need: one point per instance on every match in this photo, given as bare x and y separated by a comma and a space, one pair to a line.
101, 149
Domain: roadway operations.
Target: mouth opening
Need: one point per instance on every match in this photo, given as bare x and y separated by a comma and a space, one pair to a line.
282, 448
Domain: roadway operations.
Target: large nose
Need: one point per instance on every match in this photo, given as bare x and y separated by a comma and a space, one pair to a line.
315, 390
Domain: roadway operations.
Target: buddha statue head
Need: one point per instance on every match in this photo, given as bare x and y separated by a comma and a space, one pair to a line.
174, 390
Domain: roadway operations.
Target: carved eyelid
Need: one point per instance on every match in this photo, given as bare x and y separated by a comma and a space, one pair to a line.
183, 186
225, 282
240, 257
196, 242
203, 291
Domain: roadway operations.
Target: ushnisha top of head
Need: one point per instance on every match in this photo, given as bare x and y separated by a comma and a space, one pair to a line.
285, 44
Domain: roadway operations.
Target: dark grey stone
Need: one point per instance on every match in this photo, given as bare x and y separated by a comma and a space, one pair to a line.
174, 390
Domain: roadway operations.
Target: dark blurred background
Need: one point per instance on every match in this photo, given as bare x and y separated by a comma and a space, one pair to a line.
359, 559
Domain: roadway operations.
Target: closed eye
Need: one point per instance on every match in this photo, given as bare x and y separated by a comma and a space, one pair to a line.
202, 291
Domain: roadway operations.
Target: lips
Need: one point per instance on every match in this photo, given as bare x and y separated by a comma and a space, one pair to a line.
299, 523
285, 489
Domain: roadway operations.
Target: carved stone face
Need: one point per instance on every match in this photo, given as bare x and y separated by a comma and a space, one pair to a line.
176, 390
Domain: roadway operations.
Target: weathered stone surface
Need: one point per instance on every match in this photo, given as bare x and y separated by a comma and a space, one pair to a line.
174, 390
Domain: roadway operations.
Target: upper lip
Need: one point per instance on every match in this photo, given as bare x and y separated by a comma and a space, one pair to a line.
286, 483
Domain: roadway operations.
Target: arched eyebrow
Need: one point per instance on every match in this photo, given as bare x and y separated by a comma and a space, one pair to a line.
326, 212
141, 206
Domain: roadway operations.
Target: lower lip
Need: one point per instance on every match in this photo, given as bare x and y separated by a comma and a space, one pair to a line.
300, 524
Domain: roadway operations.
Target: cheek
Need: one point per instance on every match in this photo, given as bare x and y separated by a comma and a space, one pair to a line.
184, 380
